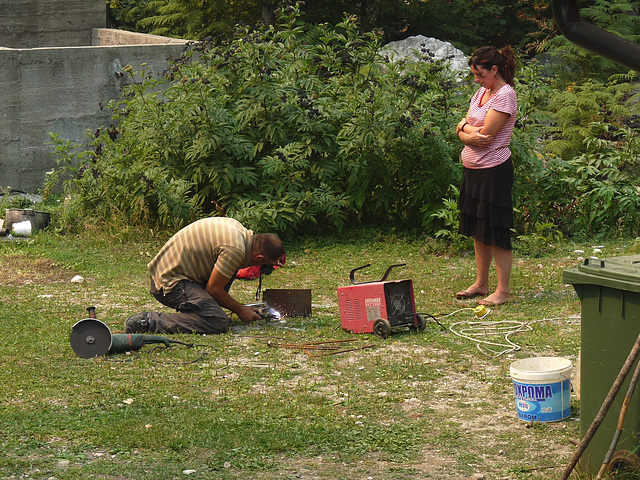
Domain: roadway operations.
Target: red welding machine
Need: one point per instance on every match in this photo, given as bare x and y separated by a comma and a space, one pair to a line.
379, 306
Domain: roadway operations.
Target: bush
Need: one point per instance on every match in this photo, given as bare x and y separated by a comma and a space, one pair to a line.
584, 177
294, 127
307, 128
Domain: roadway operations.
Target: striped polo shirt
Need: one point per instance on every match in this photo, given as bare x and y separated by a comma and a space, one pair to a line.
497, 152
192, 253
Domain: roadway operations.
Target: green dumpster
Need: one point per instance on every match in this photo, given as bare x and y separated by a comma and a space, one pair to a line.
609, 291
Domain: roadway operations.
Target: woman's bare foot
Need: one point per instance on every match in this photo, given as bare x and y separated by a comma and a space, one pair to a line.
495, 299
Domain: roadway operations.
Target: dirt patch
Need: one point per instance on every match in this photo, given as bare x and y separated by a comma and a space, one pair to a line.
22, 270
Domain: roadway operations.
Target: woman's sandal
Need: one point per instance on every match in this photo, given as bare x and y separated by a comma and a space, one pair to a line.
466, 294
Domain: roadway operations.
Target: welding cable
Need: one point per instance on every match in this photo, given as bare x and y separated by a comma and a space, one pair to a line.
506, 328
445, 315
431, 317
202, 354
480, 314
568, 317
480, 329
475, 331
135, 354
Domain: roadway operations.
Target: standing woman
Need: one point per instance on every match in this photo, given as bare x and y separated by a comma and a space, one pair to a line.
485, 205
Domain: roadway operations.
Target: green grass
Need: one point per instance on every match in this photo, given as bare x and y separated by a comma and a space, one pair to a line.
416, 405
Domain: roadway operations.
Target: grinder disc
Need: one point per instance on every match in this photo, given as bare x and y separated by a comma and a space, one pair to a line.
90, 338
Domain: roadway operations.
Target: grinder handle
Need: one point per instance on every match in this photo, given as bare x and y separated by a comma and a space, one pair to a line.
146, 339
126, 342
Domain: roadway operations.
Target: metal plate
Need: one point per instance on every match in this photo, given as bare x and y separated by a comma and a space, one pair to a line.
289, 302
90, 338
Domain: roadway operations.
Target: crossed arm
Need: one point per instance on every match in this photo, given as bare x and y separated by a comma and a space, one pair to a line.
481, 136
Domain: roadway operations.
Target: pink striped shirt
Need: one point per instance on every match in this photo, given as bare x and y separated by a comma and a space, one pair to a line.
497, 152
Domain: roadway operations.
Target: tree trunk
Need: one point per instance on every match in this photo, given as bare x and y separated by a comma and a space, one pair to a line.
268, 14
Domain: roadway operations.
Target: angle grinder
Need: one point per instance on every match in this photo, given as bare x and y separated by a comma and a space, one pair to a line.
92, 338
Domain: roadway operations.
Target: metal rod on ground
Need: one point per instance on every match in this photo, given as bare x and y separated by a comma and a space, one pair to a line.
623, 413
330, 341
330, 347
336, 352
624, 371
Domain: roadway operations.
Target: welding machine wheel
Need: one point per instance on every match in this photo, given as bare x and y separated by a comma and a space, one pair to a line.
422, 324
382, 328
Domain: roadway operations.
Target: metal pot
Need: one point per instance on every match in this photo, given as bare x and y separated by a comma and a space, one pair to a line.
39, 220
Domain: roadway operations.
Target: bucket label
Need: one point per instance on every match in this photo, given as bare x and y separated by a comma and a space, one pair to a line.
535, 393
542, 402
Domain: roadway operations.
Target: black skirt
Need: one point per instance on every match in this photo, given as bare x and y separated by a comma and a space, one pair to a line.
485, 205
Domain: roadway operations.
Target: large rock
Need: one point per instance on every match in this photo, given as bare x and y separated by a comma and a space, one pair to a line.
421, 48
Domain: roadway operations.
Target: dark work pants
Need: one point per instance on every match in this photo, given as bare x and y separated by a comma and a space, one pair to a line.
196, 311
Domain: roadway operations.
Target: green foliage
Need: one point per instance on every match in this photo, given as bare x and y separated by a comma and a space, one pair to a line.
602, 183
127, 14
391, 17
290, 128
581, 174
448, 217
196, 19
114, 188
527, 150
581, 108
616, 16
594, 192
8, 201
306, 128
480, 22
540, 241
585, 178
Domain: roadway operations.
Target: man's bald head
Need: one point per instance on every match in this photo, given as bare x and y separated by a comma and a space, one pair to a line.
269, 246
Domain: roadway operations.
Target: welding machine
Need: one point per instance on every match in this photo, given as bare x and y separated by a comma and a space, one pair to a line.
380, 306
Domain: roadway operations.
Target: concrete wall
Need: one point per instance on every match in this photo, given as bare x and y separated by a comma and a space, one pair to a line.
50, 23
59, 89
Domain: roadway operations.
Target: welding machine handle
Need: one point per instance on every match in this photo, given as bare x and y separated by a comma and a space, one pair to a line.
353, 272
389, 270
353, 280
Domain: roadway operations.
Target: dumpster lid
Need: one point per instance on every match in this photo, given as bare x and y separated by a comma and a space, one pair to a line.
616, 272
622, 268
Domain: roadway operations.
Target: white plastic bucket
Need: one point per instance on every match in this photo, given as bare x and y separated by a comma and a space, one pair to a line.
542, 387
22, 229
